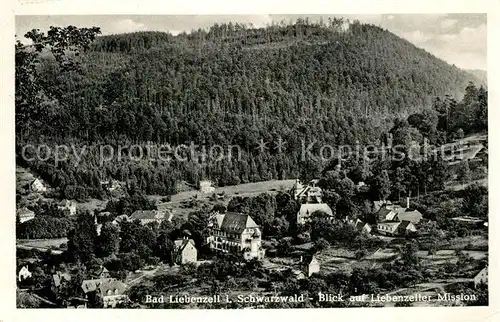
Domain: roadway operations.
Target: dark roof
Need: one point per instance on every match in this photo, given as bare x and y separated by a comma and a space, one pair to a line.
180, 244
235, 222
360, 225
382, 213
308, 259
404, 224
99, 271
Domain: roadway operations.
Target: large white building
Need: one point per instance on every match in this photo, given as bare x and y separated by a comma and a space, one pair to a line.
236, 233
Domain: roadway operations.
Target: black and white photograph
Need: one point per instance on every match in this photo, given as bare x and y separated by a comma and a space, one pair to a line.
255, 161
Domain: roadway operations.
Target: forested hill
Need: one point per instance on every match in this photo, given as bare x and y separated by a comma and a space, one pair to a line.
134, 83
332, 82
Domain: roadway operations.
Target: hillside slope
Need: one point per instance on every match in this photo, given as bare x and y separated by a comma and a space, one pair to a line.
280, 74
330, 83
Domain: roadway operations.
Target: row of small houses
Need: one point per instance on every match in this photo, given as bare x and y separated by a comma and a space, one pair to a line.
391, 219
110, 290
113, 292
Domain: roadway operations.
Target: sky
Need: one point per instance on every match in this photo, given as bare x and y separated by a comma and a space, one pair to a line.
459, 39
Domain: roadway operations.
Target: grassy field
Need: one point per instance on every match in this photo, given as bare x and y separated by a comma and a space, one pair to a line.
182, 203
246, 189
42, 243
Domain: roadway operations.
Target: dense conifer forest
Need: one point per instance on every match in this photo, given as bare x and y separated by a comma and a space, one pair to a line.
329, 82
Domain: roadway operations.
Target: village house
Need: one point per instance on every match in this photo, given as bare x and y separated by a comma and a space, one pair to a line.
184, 251
362, 227
67, 205
110, 290
388, 228
23, 274
37, 186
115, 185
237, 234
396, 228
389, 211
59, 279
385, 214
481, 277
25, 214
100, 272
298, 274
406, 228
309, 265
206, 186
111, 185
147, 216
307, 194
380, 203
307, 209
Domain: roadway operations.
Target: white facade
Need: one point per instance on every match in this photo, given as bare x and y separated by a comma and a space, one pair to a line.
236, 233
206, 186
67, 205
23, 274
37, 186
25, 214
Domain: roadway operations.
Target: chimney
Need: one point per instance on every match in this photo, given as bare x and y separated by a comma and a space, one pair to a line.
407, 202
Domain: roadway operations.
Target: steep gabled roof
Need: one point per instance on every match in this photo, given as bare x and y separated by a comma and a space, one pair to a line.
484, 270
100, 270
360, 225
309, 259
235, 222
180, 244
383, 212
404, 224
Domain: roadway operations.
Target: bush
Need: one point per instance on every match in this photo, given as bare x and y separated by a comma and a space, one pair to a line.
360, 254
